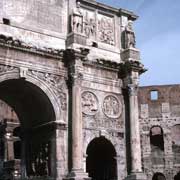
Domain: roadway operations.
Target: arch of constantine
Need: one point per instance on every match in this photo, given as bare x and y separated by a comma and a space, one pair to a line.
69, 78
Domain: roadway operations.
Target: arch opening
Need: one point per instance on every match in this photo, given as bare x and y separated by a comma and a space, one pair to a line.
25, 132
175, 131
157, 145
101, 160
177, 176
158, 176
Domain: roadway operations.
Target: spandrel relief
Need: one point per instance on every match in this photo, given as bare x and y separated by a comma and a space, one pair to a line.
106, 29
89, 103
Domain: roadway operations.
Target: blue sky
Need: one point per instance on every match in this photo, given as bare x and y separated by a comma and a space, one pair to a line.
157, 36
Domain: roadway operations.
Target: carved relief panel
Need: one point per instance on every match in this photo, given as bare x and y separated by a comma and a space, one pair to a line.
112, 106
106, 29
93, 25
101, 110
89, 23
89, 103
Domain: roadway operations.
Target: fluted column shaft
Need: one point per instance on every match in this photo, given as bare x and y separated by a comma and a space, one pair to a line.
136, 165
76, 125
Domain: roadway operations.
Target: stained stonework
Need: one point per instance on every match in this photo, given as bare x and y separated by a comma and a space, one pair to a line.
69, 73
162, 115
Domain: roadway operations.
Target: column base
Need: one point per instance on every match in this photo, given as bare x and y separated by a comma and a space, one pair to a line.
77, 175
136, 176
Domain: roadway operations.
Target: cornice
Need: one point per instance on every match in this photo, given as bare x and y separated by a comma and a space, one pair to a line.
10, 42
110, 9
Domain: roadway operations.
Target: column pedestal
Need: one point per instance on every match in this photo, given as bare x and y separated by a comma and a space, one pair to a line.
136, 176
78, 175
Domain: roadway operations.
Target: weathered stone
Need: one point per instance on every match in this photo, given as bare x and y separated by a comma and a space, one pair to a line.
69, 73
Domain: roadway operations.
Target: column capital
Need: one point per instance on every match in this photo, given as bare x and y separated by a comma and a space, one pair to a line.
73, 60
132, 90
72, 56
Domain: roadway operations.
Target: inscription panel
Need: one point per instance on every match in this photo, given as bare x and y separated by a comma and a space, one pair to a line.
47, 14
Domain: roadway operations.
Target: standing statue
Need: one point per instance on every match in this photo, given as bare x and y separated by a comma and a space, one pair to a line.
76, 20
130, 41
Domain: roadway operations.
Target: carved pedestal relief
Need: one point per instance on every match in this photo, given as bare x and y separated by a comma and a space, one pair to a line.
89, 103
112, 107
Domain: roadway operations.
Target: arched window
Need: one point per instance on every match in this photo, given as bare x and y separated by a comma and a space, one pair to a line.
175, 132
157, 145
156, 138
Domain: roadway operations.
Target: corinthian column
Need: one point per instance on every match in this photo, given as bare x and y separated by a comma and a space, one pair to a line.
75, 71
135, 143
136, 165
76, 124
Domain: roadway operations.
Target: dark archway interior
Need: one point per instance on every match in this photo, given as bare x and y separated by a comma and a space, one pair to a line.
156, 137
101, 160
31, 140
158, 176
29, 102
177, 176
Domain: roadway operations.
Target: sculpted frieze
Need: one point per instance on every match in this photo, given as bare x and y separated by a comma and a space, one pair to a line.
112, 106
93, 25
89, 103
7, 68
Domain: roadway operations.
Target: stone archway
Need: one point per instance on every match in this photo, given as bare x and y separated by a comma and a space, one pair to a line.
34, 110
158, 176
101, 160
38, 79
177, 176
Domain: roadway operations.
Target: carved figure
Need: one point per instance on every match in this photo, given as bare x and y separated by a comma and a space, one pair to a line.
89, 26
76, 20
129, 36
89, 103
111, 106
106, 31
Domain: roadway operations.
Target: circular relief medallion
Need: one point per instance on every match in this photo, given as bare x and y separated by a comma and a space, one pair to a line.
112, 107
89, 103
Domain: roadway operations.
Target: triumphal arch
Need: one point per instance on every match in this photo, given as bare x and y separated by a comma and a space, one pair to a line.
69, 74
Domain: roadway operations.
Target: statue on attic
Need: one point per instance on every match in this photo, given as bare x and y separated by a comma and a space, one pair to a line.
77, 20
130, 41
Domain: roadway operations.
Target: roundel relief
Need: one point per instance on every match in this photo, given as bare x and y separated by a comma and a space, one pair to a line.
112, 106
89, 103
